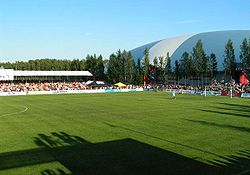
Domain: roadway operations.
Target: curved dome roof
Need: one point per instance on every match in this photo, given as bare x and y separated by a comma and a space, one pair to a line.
212, 42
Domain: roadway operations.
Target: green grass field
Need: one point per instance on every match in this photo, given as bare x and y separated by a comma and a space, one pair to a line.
124, 133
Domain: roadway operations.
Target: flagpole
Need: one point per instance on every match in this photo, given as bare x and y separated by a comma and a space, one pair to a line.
231, 90
205, 91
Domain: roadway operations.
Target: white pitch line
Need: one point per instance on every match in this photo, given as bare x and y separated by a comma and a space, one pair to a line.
14, 113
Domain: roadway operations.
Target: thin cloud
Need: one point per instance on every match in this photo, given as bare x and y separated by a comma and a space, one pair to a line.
190, 21
88, 34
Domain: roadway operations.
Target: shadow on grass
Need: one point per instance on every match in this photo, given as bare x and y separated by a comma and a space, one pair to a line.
233, 163
235, 114
54, 172
236, 110
239, 106
125, 156
239, 128
164, 140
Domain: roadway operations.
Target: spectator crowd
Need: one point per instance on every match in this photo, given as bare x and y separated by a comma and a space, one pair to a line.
222, 87
42, 86
52, 86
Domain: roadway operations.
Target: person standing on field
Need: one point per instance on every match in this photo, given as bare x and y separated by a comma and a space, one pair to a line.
173, 95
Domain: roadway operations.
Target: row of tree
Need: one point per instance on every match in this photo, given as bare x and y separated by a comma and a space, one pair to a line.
196, 64
121, 65
245, 55
200, 64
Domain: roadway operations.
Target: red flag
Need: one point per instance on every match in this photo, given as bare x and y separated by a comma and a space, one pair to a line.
243, 79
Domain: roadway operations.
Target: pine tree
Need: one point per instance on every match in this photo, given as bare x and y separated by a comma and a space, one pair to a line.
200, 59
212, 65
177, 71
129, 63
229, 59
146, 62
245, 55
168, 66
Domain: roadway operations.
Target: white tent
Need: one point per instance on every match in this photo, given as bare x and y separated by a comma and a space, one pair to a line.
6, 74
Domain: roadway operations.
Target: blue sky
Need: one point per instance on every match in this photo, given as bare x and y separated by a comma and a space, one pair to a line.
68, 29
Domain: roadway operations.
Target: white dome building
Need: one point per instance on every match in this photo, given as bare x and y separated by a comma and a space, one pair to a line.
212, 42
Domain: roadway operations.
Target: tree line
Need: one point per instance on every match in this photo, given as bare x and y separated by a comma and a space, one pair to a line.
200, 64
121, 65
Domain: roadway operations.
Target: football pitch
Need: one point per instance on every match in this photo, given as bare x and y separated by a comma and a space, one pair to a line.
124, 133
